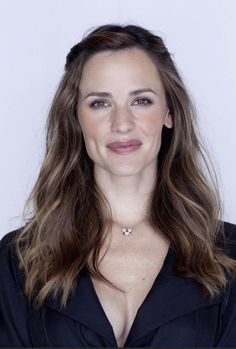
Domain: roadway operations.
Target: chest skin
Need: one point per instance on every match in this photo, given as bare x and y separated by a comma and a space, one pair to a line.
132, 265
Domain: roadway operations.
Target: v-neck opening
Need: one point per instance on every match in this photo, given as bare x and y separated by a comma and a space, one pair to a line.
164, 275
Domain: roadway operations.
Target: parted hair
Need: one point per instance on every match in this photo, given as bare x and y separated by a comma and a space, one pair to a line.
67, 216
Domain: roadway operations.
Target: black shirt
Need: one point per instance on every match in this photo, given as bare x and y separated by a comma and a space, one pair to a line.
174, 313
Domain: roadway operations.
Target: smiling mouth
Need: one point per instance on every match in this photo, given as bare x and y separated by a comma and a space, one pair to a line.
124, 147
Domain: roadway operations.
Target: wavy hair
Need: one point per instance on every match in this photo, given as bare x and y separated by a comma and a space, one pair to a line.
67, 225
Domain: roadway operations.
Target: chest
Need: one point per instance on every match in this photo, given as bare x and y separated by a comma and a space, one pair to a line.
134, 270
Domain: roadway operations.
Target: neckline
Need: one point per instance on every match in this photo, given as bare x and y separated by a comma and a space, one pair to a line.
170, 297
165, 274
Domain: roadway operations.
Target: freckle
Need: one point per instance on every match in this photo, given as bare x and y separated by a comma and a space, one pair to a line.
143, 279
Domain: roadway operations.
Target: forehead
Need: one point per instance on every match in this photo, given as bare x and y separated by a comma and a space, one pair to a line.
126, 65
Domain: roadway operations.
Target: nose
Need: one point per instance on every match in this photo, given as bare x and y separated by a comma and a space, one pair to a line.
122, 120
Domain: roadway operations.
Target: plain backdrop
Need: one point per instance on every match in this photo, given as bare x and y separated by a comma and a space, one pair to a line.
35, 37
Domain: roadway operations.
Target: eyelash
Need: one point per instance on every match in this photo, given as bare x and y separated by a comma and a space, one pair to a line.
92, 105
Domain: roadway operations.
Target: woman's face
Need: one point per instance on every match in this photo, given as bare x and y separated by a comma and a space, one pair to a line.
111, 109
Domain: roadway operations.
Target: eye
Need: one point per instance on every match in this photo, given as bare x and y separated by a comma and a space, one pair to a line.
97, 104
143, 101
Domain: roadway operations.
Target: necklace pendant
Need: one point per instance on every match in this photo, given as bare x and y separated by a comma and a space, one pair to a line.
127, 231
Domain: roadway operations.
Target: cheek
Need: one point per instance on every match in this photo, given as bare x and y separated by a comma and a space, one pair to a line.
93, 134
88, 127
153, 126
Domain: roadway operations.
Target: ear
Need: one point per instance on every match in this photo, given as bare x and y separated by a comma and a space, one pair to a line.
168, 122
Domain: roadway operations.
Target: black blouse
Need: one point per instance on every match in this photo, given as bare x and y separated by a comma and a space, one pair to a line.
174, 312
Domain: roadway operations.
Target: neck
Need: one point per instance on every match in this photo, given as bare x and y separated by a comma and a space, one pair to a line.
128, 196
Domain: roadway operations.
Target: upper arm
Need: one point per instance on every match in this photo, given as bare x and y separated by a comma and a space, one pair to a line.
227, 336
14, 308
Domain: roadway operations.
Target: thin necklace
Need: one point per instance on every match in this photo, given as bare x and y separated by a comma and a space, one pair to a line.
127, 231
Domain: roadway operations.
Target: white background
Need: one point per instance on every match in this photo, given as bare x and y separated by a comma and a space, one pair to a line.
36, 35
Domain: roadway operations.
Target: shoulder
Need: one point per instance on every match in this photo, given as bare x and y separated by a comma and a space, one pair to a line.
226, 336
7, 243
230, 229
8, 257
8, 239
229, 232
14, 304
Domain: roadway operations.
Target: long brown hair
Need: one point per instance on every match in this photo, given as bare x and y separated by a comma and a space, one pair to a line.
67, 224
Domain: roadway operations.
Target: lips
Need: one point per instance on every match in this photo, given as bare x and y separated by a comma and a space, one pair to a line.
124, 147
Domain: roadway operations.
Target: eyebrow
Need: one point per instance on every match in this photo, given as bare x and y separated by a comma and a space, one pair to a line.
132, 93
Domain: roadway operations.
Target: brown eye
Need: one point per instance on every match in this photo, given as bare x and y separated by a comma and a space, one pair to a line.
143, 101
98, 104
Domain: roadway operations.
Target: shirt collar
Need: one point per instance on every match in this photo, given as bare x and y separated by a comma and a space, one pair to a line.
170, 297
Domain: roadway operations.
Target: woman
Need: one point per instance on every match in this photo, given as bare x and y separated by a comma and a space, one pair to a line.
125, 245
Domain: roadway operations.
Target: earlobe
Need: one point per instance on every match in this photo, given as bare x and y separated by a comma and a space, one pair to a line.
168, 120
